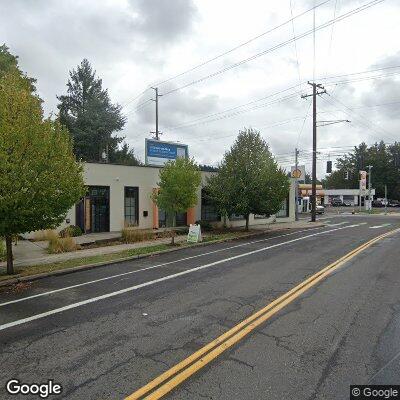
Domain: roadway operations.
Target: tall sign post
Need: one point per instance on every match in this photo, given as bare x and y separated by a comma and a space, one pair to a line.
363, 185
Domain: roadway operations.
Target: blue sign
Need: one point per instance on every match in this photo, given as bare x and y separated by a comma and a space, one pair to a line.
158, 153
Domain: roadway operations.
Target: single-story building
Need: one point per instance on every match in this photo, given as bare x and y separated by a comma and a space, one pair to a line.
347, 196
119, 196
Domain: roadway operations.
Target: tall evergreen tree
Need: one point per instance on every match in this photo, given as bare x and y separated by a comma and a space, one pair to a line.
88, 113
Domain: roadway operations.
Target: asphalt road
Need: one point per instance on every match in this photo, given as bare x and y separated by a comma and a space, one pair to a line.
104, 333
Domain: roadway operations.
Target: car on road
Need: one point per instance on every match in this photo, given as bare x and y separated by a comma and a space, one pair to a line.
336, 203
378, 203
320, 209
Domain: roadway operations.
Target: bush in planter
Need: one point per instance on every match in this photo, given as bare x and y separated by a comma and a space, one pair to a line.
136, 235
3, 254
62, 245
204, 225
71, 231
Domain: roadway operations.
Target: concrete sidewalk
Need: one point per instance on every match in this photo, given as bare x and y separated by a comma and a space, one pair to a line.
34, 253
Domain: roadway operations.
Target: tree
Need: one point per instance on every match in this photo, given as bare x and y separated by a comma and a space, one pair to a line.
179, 181
39, 177
124, 156
385, 160
86, 110
9, 64
249, 180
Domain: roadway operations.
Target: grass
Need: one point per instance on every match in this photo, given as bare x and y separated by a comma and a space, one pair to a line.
41, 268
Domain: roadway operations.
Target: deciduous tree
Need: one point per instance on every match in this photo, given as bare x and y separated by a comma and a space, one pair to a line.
179, 181
249, 180
39, 177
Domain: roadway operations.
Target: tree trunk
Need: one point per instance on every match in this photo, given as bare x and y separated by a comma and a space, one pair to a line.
10, 263
173, 229
247, 222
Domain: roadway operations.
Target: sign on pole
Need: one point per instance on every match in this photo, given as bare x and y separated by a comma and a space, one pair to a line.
158, 152
194, 234
363, 182
299, 172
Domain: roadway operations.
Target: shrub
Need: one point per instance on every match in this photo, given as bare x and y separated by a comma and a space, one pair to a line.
3, 254
71, 231
41, 236
61, 245
136, 235
204, 225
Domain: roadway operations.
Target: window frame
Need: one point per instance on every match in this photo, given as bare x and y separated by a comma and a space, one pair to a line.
135, 189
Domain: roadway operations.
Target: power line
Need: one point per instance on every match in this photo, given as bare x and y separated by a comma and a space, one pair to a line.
241, 44
134, 98
331, 39
362, 116
233, 108
278, 46
295, 43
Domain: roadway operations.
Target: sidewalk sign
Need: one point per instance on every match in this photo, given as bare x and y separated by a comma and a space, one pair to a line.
194, 234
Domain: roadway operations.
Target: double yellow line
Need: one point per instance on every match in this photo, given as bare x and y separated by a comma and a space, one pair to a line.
170, 379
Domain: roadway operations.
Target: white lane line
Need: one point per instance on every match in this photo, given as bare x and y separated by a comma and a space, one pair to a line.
151, 267
165, 278
379, 226
339, 223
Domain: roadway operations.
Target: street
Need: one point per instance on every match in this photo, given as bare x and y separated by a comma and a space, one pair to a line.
105, 333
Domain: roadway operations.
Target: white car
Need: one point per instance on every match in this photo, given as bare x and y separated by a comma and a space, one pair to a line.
320, 209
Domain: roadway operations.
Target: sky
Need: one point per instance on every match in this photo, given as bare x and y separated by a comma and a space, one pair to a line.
136, 44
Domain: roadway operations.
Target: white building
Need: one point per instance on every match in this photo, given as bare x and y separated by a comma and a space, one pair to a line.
120, 196
347, 196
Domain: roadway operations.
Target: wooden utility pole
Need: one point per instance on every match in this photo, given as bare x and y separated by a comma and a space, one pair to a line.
314, 94
157, 132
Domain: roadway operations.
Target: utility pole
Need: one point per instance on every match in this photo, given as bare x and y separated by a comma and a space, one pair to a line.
369, 188
157, 132
296, 185
314, 94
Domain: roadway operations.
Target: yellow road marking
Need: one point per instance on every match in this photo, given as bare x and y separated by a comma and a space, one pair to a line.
187, 367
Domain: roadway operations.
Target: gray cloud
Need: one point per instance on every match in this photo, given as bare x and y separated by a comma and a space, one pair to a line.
162, 20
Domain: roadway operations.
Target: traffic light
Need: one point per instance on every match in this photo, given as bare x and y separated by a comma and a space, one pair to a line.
346, 175
328, 167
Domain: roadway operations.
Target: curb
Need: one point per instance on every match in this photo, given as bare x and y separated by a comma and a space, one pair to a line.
65, 271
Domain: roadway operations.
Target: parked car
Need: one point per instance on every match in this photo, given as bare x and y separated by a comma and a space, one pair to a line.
378, 203
347, 203
320, 209
394, 203
336, 202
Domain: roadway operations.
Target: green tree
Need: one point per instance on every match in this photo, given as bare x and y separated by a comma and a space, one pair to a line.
249, 180
385, 160
124, 155
39, 177
179, 181
9, 64
86, 110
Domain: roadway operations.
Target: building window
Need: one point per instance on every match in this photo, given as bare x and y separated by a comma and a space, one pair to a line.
165, 220
131, 206
208, 210
284, 211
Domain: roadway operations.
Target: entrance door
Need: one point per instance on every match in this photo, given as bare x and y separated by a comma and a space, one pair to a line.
99, 208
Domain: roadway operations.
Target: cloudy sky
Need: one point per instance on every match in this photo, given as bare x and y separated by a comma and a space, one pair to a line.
135, 44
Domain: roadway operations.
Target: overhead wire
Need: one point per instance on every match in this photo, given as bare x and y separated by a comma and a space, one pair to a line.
278, 46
